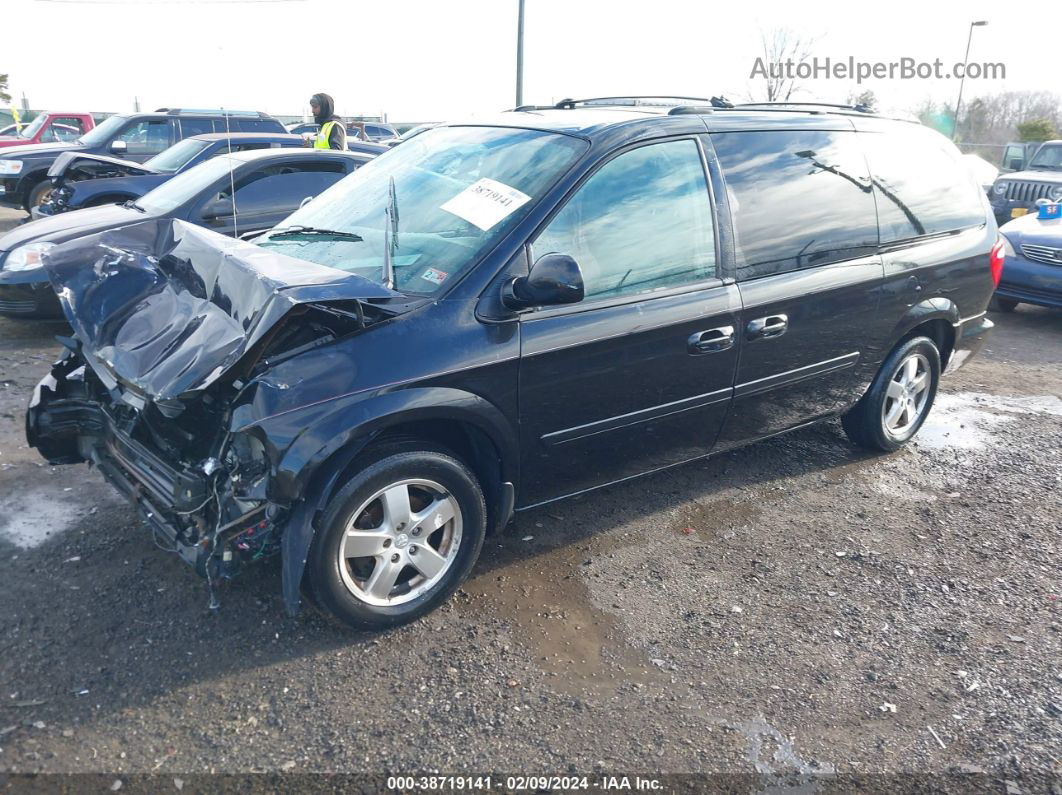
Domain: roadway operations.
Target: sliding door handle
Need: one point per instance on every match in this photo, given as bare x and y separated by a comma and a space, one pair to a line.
767, 327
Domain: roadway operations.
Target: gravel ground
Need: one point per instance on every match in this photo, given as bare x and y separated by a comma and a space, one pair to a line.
793, 608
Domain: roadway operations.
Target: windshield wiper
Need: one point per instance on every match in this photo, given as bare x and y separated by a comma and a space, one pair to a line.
390, 235
132, 205
313, 230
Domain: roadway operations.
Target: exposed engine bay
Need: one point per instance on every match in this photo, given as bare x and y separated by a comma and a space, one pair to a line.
174, 328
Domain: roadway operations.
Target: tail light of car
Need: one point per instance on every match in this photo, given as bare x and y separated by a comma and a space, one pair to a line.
995, 260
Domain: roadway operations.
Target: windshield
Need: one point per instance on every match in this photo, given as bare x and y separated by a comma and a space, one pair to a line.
431, 207
174, 192
31, 129
1049, 157
104, 132
177, 156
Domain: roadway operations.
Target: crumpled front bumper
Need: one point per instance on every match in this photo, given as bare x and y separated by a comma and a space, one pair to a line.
67, 426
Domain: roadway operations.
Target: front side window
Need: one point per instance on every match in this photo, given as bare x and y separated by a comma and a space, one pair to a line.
281, 188
921, 185
431, 207
799, 199
146, 137
642, 222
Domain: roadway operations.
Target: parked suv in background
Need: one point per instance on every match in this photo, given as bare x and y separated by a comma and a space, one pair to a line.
1016, 194
135, 136
503, 313
81, 180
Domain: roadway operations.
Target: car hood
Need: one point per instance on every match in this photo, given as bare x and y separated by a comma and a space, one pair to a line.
63, 227
167, 307
91, 164
29, 150
12, 140
1033, 175
1030, 229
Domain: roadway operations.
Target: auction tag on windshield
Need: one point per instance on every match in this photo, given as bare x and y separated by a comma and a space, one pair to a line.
485, 202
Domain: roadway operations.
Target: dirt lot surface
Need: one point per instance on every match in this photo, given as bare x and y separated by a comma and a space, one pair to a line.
792, 608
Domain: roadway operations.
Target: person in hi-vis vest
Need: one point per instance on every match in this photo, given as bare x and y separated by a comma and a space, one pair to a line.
333, 132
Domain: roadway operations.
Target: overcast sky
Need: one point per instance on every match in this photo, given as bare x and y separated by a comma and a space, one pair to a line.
422, 60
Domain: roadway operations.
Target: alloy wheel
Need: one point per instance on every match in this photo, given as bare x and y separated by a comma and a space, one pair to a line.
400, 542
907, 395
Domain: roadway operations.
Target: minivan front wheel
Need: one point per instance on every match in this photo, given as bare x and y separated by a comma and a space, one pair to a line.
899, 399
398, 539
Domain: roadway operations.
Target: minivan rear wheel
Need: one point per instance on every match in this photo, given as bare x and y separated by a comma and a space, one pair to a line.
899, 399
398, 538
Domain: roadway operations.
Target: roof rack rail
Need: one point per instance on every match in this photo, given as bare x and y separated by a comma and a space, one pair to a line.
212, 111
715, 103
860, 108
568, 104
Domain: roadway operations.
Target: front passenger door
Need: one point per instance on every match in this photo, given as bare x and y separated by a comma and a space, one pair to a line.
639, 374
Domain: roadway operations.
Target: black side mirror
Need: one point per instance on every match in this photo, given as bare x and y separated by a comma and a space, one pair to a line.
119, 147
554, 279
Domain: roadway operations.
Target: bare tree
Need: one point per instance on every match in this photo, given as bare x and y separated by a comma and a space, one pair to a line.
4, 96
783, 49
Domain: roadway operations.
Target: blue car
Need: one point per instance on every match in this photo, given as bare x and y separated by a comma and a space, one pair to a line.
85, 180
1032, 270
269, 185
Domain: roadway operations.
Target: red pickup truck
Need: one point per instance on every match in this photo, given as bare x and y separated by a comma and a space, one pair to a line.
48, 127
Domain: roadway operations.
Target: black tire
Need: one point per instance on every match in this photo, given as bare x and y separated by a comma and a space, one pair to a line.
391, 464
865, 423
38, 194
999, 304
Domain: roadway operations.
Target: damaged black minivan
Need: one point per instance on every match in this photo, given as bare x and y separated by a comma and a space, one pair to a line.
499, 314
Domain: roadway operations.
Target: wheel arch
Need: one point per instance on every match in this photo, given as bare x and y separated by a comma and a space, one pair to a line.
28, 183
935, 318
325, 456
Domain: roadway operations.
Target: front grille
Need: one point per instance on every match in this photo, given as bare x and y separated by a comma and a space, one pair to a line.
13, 307
1029, 191
1051, 256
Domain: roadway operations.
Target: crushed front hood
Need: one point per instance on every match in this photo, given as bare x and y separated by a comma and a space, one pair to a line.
167, 307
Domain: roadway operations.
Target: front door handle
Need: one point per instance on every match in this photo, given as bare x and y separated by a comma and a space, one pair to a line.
711, 341
767, 327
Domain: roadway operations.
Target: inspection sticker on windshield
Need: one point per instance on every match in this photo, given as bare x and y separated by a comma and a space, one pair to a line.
434, 275
485, 202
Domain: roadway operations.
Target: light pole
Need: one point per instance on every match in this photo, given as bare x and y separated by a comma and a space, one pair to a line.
520, 56
962, 81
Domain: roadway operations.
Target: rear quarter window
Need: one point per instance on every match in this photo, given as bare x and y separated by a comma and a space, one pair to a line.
799, 199
260, 125
921, 185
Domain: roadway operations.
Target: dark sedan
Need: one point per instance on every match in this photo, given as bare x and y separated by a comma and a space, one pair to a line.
269, 185
1032, 273
80, 181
